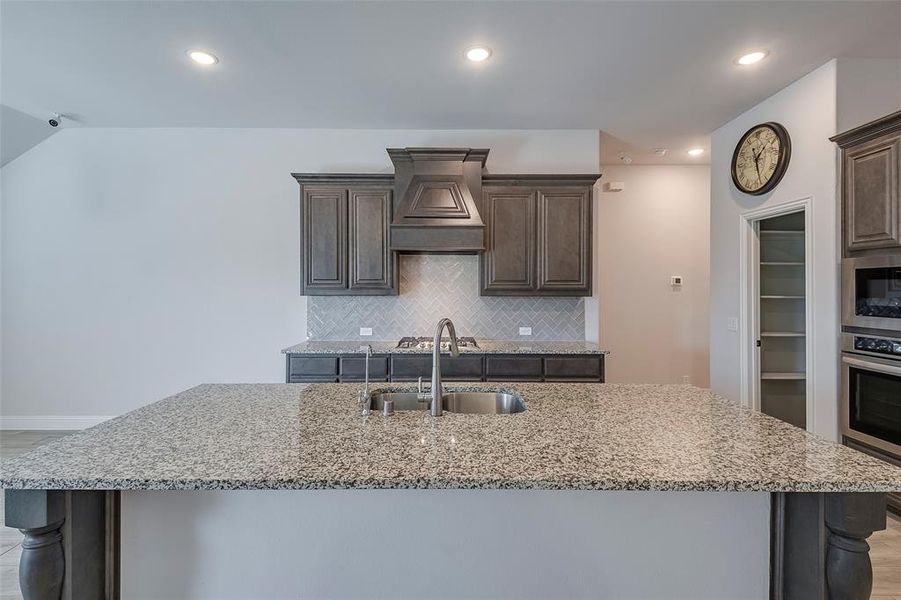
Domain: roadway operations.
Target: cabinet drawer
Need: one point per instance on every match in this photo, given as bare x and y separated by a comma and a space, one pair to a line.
462, 368
581, 368
513, 367
301, 379
412, 367
353, 368
312, 366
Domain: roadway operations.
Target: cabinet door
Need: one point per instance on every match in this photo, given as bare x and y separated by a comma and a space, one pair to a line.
564, 241
872, 207
512, 368
371, 262
508, 263
324, 243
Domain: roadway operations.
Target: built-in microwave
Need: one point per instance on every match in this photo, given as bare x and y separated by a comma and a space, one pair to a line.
871, 391
872, 292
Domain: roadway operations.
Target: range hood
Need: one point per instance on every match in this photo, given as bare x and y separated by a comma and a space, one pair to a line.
436, 199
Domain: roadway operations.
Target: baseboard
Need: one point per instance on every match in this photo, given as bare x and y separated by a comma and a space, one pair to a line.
49, 423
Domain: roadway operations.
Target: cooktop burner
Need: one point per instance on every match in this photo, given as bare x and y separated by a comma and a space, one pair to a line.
427, 343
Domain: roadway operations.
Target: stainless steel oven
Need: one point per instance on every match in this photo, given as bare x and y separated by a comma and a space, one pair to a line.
871, 390
872, 292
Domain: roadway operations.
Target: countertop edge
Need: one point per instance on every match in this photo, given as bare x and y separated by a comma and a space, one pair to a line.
599, 486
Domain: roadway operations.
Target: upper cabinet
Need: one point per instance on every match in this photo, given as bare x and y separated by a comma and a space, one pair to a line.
508, 264
871, 166
532, 232
344, 235
538, 235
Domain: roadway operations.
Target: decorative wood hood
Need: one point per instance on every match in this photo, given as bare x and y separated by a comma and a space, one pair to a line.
435, 199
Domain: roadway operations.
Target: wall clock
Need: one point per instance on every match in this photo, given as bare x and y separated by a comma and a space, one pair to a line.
761, 158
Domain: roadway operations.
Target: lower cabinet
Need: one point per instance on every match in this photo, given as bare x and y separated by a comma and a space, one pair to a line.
321, 368
893, 499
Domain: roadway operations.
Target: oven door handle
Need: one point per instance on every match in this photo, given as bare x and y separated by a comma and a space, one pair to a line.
873, 364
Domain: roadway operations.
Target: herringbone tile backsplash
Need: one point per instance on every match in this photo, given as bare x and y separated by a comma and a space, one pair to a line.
433, 286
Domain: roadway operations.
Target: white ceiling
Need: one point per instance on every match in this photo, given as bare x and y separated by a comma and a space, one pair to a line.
648, 73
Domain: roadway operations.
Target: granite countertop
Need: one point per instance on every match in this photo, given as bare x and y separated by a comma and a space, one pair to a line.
484, 347
572, 436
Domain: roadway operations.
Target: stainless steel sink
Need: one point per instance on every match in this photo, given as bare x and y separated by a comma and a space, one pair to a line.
481, 403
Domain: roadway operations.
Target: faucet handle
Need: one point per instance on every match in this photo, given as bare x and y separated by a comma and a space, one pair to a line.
422, 396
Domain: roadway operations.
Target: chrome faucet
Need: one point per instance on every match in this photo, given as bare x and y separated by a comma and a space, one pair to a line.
437, 386
365, 396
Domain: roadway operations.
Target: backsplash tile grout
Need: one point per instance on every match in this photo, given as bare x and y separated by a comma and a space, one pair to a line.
441, 285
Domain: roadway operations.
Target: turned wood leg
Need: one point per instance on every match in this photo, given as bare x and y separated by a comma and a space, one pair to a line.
818, 545
42, 566
71, 545
851, 519
39, 514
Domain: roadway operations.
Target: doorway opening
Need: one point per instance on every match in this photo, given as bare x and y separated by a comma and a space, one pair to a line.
776, 310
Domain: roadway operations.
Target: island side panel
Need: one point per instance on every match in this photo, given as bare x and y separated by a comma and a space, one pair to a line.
453, 543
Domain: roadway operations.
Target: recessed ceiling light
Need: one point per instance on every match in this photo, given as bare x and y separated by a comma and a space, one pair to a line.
478, 53
751, 57
202, 57
696, 152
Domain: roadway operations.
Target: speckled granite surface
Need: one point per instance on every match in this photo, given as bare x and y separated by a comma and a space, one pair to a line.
485, 347
572, 436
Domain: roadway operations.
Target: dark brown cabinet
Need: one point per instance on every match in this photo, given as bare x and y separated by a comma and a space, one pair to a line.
344, 236
407, 367
538, 236
508, 263
325, 239
564, 241
371, 261
871, 177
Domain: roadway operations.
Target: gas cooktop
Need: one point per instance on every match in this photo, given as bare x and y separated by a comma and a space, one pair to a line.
427, 343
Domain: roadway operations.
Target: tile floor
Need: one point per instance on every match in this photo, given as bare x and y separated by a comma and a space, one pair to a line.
885, 545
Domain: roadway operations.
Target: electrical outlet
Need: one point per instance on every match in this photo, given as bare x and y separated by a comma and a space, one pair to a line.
685, 379
365, 330
732, 324
525, 331
675, 280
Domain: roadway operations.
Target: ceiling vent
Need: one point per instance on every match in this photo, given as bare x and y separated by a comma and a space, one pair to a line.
435, 206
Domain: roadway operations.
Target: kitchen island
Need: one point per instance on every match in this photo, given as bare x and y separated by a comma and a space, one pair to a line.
595, 490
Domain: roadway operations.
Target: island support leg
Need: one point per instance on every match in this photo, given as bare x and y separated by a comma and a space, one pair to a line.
818, 546
71, 545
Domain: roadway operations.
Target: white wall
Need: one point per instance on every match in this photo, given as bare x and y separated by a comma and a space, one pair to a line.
867, 88
657, 227
139, 262
807, 108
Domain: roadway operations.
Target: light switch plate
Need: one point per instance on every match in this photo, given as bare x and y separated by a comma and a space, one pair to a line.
365, 330
525, 331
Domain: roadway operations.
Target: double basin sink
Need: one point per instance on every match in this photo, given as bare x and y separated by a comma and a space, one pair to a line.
477, 403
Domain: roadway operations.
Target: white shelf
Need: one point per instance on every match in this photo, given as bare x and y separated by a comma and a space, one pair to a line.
782, 334
783, 376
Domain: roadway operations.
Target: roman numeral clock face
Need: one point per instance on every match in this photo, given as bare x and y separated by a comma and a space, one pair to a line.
761, 158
